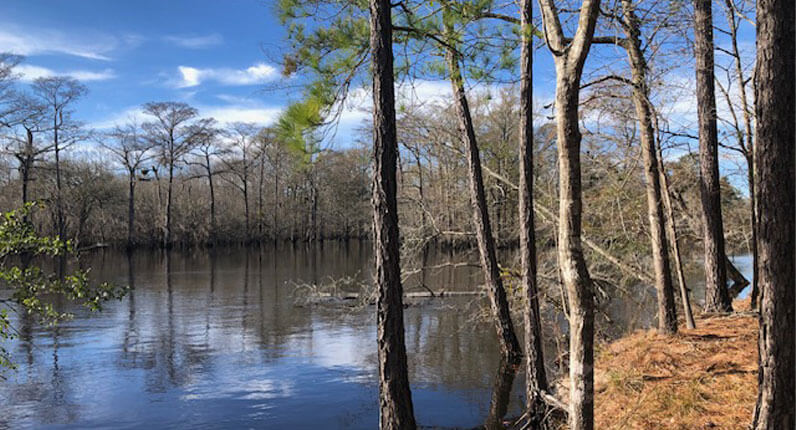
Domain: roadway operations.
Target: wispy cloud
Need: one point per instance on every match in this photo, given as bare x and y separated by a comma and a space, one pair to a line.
244, 111
131, 114
29, 73
256, 74
229, 114
37, 41
195, 42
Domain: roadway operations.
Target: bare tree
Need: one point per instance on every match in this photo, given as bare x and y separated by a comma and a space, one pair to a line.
57, 94
395, 398
716, 296
130, 148
569, 57
171, 135
7, 94
243, 144
775, 187
206, 154
26, 122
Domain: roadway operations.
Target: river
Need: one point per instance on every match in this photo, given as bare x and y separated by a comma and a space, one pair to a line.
217, 340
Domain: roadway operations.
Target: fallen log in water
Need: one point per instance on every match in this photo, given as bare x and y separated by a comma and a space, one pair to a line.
410, 295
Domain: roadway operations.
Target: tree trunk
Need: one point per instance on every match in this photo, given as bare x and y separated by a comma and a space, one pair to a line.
246, 208
716, 297
277, 204
212, 206
131, 209
509, 345
671, 231
59, 208
746, 141
260, 206
167, 232
755, 293
667, 315
776, 210
570, 257
395, 398
535, 375
569, 58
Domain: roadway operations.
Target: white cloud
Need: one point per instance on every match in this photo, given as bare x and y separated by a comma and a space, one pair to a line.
233, 113
256, 74
190, 76
30, 73
195, 42
246, 111
36, 41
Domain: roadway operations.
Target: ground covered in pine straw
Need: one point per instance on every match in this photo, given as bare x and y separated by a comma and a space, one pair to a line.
704, 378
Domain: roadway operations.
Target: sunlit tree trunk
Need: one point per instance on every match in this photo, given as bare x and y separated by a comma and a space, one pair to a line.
569, 57
667, 315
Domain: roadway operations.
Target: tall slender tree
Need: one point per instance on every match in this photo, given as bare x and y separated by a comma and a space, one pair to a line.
535, 375
775, 186
717, 298
667, 314
509, 345
395, 398
569, 57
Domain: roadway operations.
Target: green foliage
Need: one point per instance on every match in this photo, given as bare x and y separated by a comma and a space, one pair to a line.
296, 126
33, 289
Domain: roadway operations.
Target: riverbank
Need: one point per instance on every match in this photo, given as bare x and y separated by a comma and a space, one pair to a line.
699, 379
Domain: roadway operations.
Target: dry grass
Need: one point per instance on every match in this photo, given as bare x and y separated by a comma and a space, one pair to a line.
704, 378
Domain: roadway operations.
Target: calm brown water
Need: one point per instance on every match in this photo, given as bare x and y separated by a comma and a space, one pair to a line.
216, 340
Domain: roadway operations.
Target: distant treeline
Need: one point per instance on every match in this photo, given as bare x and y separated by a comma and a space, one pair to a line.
177, 179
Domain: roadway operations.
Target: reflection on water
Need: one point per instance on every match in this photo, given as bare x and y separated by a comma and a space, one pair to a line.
214, 340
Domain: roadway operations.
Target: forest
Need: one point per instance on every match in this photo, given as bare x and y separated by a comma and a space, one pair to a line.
574, 152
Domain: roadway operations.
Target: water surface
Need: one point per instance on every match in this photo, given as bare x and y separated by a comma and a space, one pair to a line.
216, 340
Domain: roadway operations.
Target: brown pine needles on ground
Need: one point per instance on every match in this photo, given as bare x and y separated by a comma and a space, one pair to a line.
699, 379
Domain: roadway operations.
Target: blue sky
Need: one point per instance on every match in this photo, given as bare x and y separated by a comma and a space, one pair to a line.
216, 55
223, 58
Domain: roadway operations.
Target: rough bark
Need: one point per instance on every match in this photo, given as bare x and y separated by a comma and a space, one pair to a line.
395, 399
775, 188
671, 232
569, 60
667, 315
509, 345
716, 297
535, 375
